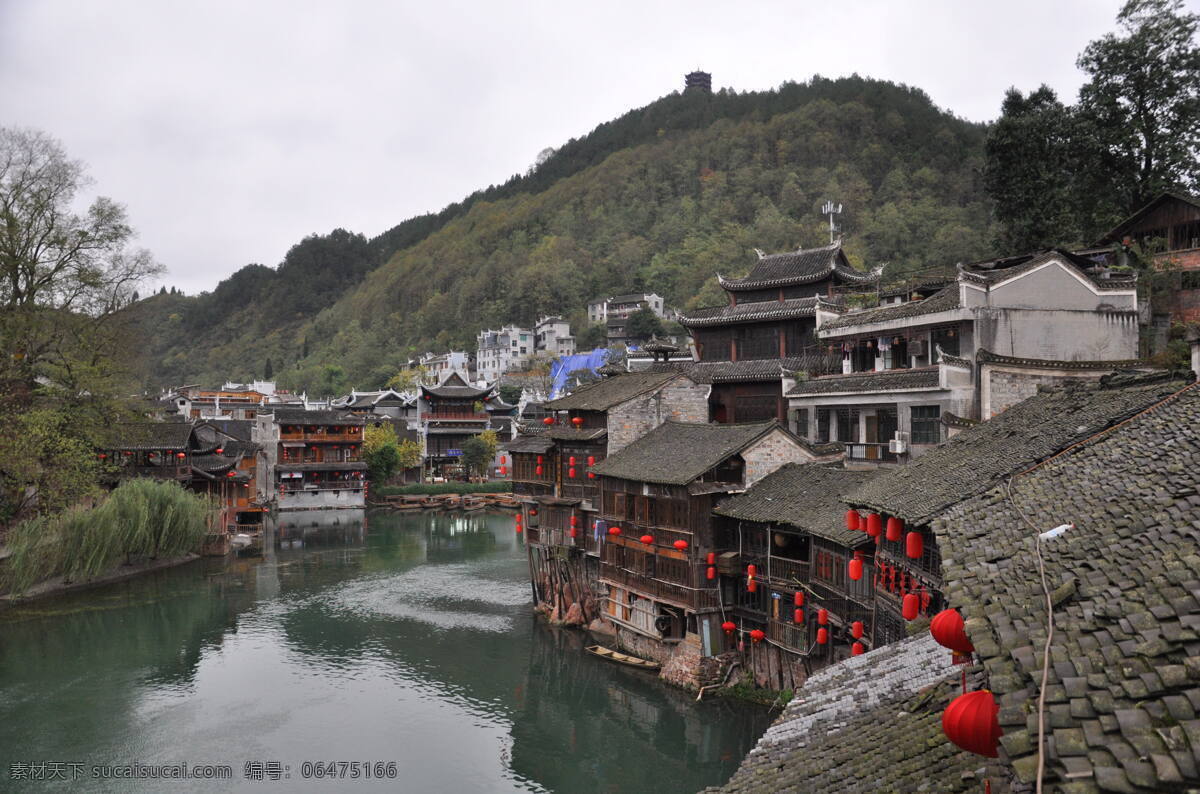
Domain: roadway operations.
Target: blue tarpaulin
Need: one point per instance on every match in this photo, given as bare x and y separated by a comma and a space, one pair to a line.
560, 369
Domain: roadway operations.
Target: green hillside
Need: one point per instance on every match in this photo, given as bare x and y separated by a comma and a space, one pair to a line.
660, 199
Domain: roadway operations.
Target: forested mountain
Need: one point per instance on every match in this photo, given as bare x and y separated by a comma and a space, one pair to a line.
660, 199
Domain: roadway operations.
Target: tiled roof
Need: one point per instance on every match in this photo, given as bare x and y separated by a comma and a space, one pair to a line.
750, 312
1123, 693
886, 381
148, 435
759, 369
871, 723
676, 453
806, 496
238, 428
1121, 228
299, 416
988, 357
524, 443
569, 433
979, 457
611, 391
992, 271
943, 300
798, 267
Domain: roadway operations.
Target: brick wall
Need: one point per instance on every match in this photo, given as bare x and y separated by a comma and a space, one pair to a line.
1003, 388
679, 399
771, 452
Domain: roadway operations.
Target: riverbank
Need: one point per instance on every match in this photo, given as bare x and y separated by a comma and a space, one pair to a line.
59, 585
435, 488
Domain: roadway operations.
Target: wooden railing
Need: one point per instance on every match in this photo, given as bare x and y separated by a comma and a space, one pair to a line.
788, 634
675, 593
785, 571
322, 437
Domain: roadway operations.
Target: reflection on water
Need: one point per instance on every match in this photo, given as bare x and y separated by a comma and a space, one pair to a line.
389, 637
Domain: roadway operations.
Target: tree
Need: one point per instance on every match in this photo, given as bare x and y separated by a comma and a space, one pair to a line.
592, 337
63, 276
1030, 173
1143, 101
510, 394
477, 455
643, 324
407, 379
268, 369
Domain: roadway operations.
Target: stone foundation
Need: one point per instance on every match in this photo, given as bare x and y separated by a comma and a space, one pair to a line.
682, 662
775, 668
564, 584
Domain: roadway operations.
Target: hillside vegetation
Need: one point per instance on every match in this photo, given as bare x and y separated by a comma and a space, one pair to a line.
660, 199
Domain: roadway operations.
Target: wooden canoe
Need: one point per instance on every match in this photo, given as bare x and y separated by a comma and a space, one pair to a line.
620, 658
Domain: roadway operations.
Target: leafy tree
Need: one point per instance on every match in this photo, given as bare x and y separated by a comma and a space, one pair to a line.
592, 337
1143, 101
410, 453
477, 455
381, 452
407, 379
268, 370
510, 394
643, 324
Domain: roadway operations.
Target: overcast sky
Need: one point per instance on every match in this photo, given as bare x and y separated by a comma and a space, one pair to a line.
233, 129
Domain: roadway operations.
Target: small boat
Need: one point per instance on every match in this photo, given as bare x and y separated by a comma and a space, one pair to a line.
614, 656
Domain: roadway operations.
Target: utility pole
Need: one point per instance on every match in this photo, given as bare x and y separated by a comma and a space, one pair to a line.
831, 210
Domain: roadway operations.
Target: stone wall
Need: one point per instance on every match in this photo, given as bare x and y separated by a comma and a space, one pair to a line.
683, 663
771, 452
322, 500
680, 400
1003, 387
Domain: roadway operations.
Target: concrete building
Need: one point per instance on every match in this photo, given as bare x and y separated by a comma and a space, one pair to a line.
310, 459
602, 310
553, 336
440, 365
499, 351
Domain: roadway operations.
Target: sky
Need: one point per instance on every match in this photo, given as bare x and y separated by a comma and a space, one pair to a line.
231, 130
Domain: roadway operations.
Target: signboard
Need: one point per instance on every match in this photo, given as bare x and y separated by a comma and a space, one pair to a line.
454, 453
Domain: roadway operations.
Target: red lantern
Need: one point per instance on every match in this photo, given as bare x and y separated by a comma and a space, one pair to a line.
856, 568
947, 630
797, 615
591, 460
574, 521
911, 606
221, 450
971, 722
577, 421
539, 459
503, 471
231, 474
180, 455
518, 527
680, 544
822, 636
571, 472
798, 599
874, 524
614, 531
729, 627
914, 545
758, 635
571, 461
518, 518
549, 420
573, 532
102, 456
711, 573
752, 570
857, 649
533, 511
856, 629
852, 519
822, 617
711, 559
647, 539
895, 527
591, 475
127, 453
503, 459
538, 471
751, 586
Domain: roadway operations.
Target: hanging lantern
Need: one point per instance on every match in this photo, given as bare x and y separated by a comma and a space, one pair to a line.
822, 616
533, 511
797, 615
911, 606
538, 470
549, 420
914, 545
971, 721
503, 459
614, 531
518, 527
221, 450
752, 570
857, 649
539, 459
647, 539
852, 519
856, 629
102, 456
798, 598
503, 471
822, 636
231, 474
591, 475
680, 544
947, 630
571, 461
573, 532
571, 472
591, 460
729, 627
127, 453
574, 521
856, 567
751, 586
757, 635
577, 421
711, 573
874, 524
895, 526
180, 455
711, 559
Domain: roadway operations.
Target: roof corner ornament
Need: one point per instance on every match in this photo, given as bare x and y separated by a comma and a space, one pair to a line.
760, 253
941, 354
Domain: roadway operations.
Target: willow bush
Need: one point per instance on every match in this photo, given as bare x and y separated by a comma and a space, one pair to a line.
140, 519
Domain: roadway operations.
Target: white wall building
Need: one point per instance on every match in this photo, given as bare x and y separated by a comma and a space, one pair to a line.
553, 336
499, 351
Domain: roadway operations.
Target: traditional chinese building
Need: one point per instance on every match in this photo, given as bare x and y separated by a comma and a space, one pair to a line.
311, 459
450, 413
766, 329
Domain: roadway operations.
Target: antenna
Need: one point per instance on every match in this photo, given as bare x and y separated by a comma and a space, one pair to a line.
832, 209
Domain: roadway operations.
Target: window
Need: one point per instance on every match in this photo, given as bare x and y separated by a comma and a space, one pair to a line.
847, 424
926, 424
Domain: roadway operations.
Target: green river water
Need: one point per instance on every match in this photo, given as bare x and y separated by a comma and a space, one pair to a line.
395, 638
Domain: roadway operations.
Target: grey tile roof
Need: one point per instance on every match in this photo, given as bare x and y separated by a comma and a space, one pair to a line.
888, 380
805, 496
943, 300
299, 416
756, 311
148, 435
676, 453
994, 270
611, 391
532, 444
871, 723
988, 357
1032, 430
758, 369
1123, 695
798, 267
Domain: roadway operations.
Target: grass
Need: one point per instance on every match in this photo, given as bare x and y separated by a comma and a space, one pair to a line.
140, 519
442, 487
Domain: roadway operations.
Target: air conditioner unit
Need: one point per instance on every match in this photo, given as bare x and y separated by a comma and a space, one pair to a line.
897, 446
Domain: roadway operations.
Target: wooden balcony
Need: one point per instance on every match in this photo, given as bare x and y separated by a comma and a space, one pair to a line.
781, 570
323, 438
789, 635
674, 593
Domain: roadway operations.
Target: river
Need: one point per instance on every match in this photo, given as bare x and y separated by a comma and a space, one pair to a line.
389, 637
